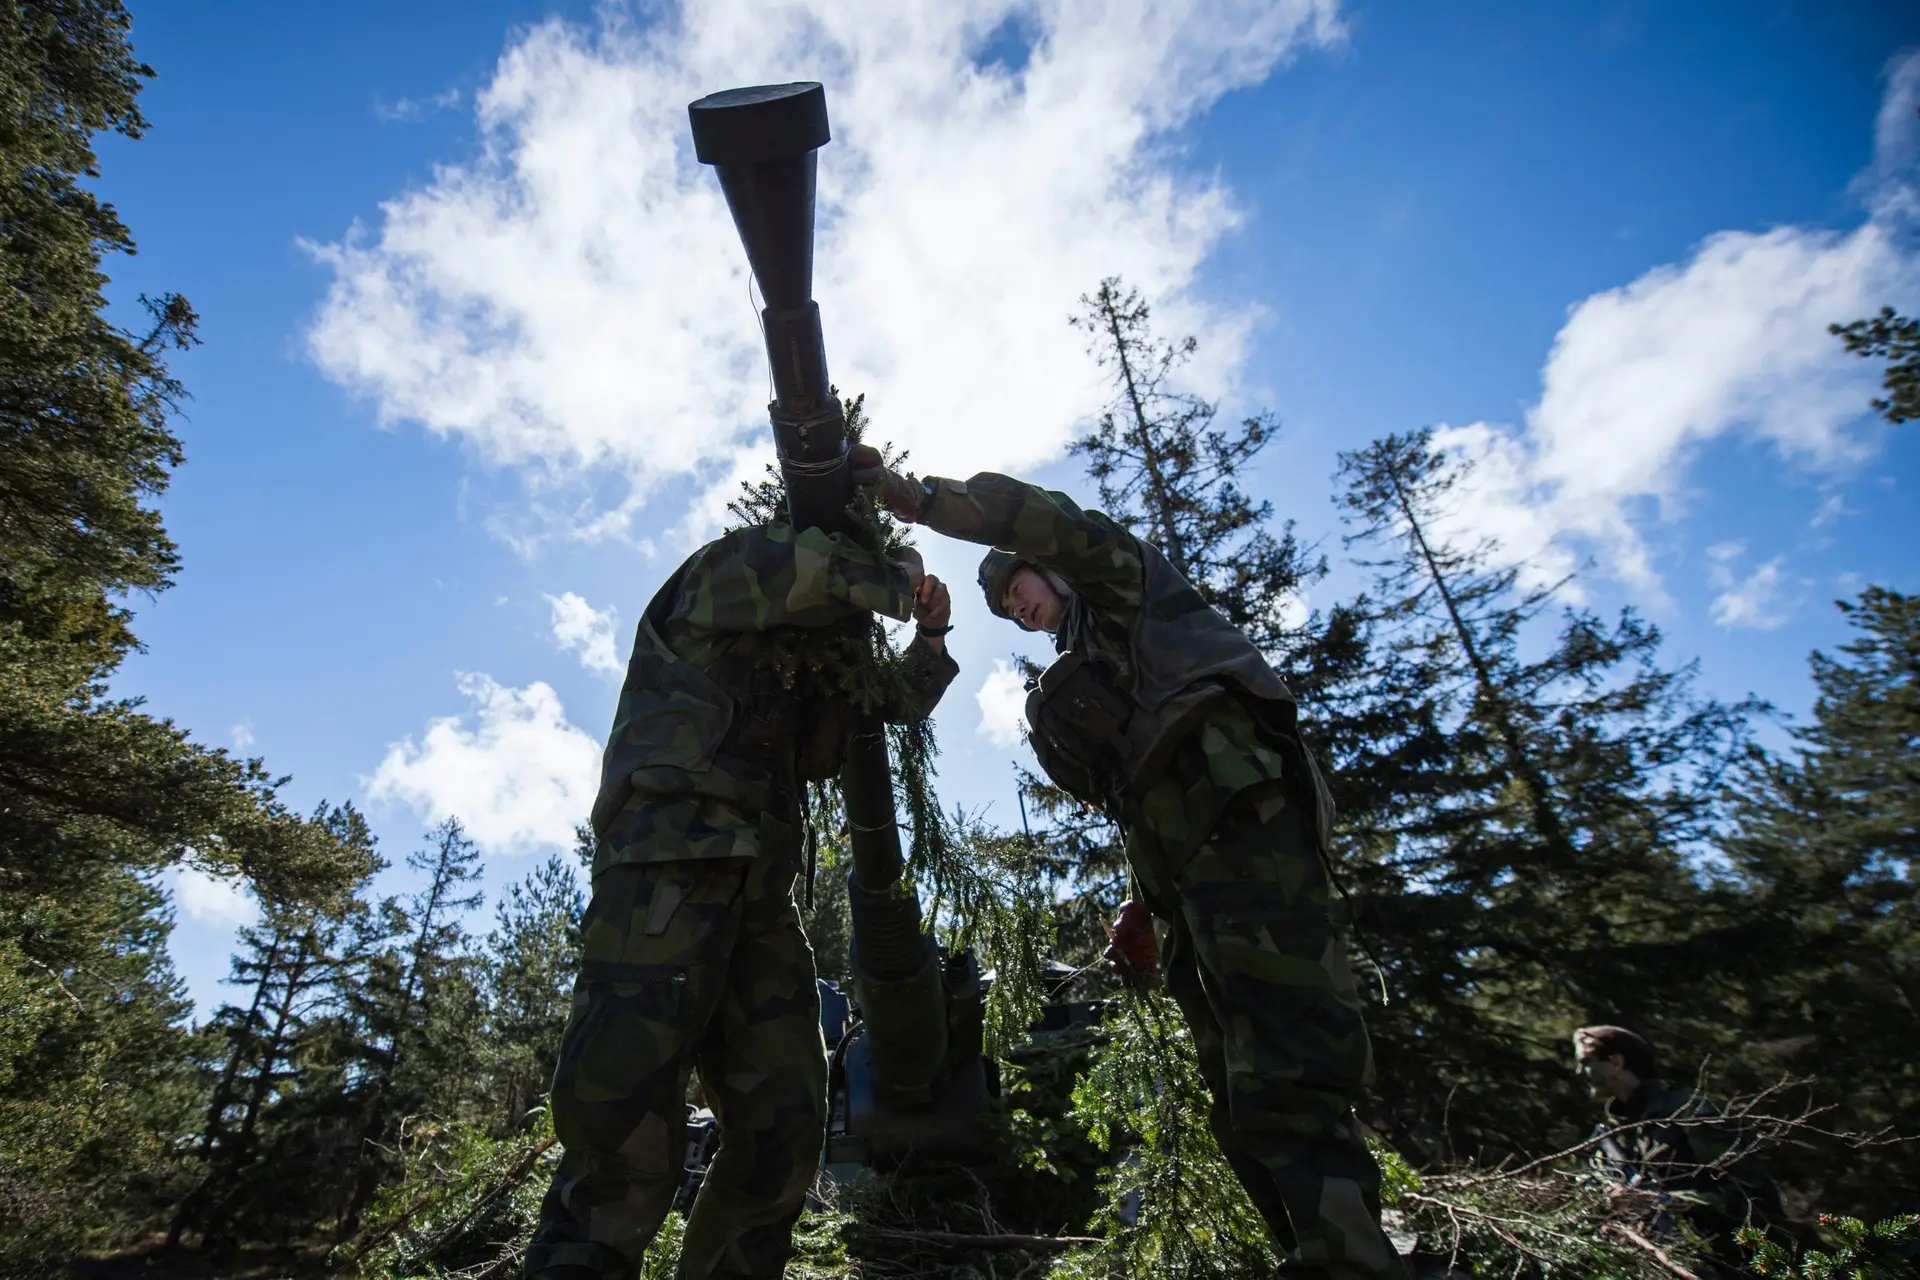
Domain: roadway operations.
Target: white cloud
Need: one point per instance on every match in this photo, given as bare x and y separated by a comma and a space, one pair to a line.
1887, 185
212, 900
585, 632
1832, 508
1003, 704
1752, 601
573, 301
408, 110
1731, 343
520, 777
242, 735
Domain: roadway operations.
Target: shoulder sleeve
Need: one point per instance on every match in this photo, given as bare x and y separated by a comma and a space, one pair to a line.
757, 579
1088, 549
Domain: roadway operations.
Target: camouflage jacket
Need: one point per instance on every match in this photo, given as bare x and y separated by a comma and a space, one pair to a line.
1141, 630
705, 753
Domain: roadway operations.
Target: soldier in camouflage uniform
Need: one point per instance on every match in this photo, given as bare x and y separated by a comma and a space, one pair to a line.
1162, 713
693, 954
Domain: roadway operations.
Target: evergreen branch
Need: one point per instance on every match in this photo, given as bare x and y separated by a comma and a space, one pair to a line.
1661, 1255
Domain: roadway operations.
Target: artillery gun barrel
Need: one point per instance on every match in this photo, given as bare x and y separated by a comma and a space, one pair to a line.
763, 143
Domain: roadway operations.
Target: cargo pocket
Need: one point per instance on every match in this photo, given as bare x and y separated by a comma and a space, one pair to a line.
634, 1032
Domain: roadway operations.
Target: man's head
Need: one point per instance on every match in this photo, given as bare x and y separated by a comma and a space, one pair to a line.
1614, 1060
1024, 592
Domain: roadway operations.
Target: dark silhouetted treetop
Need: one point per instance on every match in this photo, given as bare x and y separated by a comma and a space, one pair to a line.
1894, 338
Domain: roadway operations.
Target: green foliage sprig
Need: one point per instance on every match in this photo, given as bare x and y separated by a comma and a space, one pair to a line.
465, 1203
988, 897
854, 662
1173, 1205
1884, 1251
1894, 338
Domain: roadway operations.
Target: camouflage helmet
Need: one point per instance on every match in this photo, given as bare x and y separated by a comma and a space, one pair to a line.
996, 571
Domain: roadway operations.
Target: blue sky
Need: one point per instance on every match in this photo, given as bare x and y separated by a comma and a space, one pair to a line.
478, 354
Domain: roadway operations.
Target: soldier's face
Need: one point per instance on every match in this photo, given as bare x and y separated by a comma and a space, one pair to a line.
1033, 602
1607, 1075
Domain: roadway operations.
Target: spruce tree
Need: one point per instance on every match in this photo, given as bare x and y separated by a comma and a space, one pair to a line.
288, 966
94, 1086
1824, 847
1524, 853
85, 446
1167, 471
96, 795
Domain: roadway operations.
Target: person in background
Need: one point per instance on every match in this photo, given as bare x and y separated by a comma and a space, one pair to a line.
1668, 1141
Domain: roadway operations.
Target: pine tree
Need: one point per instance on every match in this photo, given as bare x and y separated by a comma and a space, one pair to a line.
416, 1007
288, 966
1825, 844
1523, 849
533, 953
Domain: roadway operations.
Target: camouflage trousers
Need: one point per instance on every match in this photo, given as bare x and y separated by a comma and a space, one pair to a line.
686, 964
1260, 973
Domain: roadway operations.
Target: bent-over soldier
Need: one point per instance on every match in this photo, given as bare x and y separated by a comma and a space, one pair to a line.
692, 948
1162, 713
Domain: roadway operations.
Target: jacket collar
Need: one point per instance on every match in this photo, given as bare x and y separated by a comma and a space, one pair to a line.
1634, 1105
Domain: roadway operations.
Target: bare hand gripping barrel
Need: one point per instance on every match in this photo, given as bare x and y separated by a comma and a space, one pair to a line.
762, 142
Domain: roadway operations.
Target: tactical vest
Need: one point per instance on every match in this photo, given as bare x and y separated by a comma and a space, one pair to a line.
730, 733
1102, 726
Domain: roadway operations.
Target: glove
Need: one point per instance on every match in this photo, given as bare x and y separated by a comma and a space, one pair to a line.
901, 495
1131, 948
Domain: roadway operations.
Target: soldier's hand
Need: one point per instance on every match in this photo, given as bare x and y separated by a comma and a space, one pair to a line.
867, 466
1132, 951
934, 609
899, 494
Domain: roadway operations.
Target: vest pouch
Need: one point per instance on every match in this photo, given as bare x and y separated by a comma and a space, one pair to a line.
1075, 689
1152, 736
1077, 777
1077, 724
